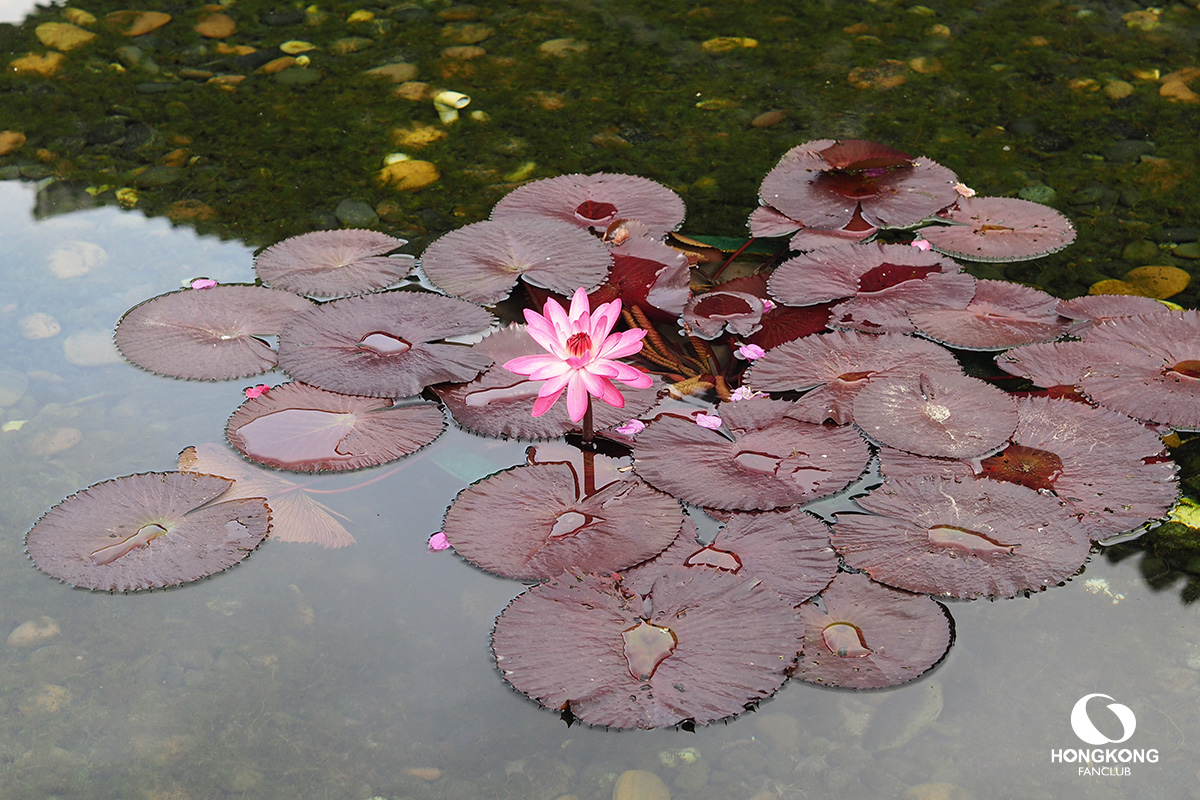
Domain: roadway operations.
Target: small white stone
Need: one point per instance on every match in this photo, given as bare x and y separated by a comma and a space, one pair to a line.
75, 259
39, 326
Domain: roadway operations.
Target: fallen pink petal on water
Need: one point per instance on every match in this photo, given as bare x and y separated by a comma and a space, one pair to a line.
257, 391
750, 352
631, 428
710, 421
438, 542
203, 283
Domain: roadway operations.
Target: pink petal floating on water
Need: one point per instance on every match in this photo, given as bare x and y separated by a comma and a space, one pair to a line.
710, 421
438, 542
257, 391
750, 352
631, 428
203, 283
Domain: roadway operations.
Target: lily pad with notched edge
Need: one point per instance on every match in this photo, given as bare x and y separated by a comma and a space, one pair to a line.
332, 263
702, 646
481, 262
295, 516
596, 201
1001, 315
147, 531
761, 460
534, 521
384, 345
787, 550
1000, 229
305, 429
836, 365
862, 635
966, 540
936, 414
208, 334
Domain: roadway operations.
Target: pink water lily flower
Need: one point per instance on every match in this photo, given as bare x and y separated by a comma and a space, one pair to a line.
581, 355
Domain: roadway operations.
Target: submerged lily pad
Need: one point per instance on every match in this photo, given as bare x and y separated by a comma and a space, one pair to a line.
762, 460
306, 429
970, 539
862, 635
702, 646
534, 521
208, 334
331, 263
384, 345
295, 516
147, 531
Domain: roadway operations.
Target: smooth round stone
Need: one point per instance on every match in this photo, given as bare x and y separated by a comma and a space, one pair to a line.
76, 259
1140, 252
405, 176
1088, 195
298, 77
355, 214
91, 348
62, 35
13, 385
39, 325
53, 441
34, 632
1037, 193
1188, 250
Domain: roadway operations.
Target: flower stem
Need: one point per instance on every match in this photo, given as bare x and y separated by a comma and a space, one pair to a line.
587, 425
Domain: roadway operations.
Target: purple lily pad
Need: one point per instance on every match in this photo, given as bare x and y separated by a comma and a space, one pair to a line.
596, 201
499, 403
1001, 315
1097, 307
646, 273
534, 521
305, 429
331, 263
481, 262
836, 365
1152, 369
787, 550
295, 516
936, 414
1000, 229
761, 461
1110, 472
384, 345
1056, 366
822, 184
863, 635
208, 334
703, 645
147, 531
966, 540
710, 314
878, 285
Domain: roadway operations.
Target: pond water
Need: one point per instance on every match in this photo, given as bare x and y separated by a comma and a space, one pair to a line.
365, 671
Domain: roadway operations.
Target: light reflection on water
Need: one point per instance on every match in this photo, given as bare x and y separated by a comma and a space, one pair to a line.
329, 673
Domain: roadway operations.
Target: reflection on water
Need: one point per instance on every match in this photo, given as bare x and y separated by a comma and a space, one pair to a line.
365, 671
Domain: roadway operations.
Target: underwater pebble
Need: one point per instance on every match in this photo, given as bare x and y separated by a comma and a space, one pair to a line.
75, 259
49, 699
62, 35
91, 348
355, 214
467, 33
39, 326
44, 64
638, 784
562, 47
396, 73
55, 440
137, 23
768, 118
13, 385
34, 632
10, 141
407, 176
430, 774
215, 26
782, 731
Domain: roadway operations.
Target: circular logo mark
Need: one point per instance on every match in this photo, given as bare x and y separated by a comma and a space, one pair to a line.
1085, 730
